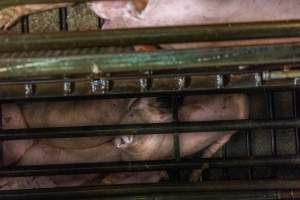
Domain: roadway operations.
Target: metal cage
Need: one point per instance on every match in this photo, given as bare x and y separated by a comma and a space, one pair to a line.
89, 69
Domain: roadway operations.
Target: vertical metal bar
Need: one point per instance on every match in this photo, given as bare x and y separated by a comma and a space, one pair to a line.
271, 116
225, 155
270, 97
1, 126
100, 22
296, 114
63, 15
25, 24
249, 151
176, 139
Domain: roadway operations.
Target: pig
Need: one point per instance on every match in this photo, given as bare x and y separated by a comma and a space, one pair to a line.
149, 13
157, 13
59, 151
59, 114
194, 108
147, 110
62, 151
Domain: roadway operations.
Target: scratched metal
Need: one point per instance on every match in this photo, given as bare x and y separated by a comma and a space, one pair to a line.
98, 64
161, 35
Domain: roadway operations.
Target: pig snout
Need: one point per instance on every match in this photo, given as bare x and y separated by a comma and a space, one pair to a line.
123, 142
142, 111
142, 147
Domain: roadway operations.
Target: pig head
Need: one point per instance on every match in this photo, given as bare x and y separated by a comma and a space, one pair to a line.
194, 108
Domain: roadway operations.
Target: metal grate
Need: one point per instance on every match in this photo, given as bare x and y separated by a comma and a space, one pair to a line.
259, 82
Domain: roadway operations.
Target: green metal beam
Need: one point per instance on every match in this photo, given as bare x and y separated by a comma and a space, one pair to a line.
162, 35
96, 65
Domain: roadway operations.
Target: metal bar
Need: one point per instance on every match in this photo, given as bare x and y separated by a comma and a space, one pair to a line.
176, 139
175, 174
224, 156
129, 86
296, 114
160, 35
1, 126
248, 195
270, 96
25, 25
275, 75
91, 168
88, 96
284, 189
97, 65
164, 128
249, 151
63, 25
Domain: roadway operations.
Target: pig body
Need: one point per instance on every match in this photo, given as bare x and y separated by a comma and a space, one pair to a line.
59, 114
150, 13
140, 147
62, 151
59, 151
195, 12
195, 108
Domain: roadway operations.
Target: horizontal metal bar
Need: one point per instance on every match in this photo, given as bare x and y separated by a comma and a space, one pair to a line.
161, 35
277, 75
164, 128
91, 168
248, 195
163, 93
124, 89
97, 65
281, 189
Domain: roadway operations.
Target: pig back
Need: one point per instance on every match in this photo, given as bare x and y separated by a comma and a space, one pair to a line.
209, 108
63, 114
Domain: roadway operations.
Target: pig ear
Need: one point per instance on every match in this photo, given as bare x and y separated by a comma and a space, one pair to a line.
140, 102
166, 117
108, 9
140, 5
132, 102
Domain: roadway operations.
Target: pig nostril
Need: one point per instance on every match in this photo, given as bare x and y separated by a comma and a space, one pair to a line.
126, 140
123, 141
129, 139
